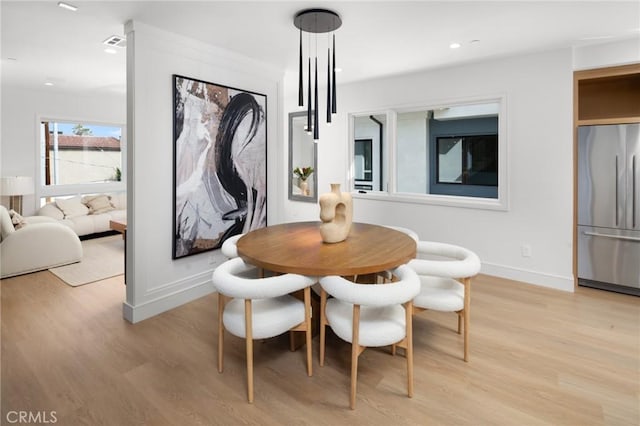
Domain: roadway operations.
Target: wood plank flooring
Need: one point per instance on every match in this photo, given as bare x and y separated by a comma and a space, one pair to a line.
538, 357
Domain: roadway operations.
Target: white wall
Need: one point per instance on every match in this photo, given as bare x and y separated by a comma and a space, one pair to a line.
412, 152
155, 282
538, 90
21, 111
620, 52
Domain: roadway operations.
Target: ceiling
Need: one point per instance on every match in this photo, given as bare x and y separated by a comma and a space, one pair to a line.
41, 42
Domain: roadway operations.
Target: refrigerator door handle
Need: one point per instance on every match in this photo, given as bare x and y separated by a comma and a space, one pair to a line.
633, 189
617, 195
615, 237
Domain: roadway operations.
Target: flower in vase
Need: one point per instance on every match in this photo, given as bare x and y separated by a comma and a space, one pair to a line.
303, 173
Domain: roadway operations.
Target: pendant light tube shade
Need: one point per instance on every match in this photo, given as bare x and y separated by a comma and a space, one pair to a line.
317, 21
316, 130
300, 77
334, 104
309, 100
328, 85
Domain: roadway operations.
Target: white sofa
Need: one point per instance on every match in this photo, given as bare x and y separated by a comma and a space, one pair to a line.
42, 243
88, 214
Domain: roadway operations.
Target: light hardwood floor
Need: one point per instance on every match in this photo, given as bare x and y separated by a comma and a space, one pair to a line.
538, 357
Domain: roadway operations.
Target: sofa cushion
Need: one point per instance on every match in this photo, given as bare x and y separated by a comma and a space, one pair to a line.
6, 227
52, 211
119, 200
98, 204
17, 219
72, 207
90, 222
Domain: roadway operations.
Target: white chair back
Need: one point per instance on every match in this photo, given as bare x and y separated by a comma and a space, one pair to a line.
459, 262
227, 280
394, 293
229, 248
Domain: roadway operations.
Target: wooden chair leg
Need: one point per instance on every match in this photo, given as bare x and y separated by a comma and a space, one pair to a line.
409, 346
220, 333
307, 332
466, 314
249, 342
355, 351
323, 322
292, 341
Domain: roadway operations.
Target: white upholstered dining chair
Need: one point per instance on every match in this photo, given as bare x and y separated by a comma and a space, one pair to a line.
370, 315
260, 308
229, 246
445, 272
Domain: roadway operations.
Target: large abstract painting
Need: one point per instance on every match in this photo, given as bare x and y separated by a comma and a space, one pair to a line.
220, 164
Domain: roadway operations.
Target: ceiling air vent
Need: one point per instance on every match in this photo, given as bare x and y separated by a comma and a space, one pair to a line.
116, 41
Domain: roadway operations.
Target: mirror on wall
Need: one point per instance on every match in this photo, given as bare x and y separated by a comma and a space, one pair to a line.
303, 166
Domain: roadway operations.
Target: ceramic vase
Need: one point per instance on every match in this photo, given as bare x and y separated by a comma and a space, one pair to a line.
304, 187
336, 214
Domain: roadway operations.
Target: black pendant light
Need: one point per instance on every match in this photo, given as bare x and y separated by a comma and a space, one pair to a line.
329, 86
334, 104
317, 21
300, 91
316, 130
309, 100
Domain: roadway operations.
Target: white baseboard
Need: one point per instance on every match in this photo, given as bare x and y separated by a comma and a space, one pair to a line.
203, 286
199, 287
557, 282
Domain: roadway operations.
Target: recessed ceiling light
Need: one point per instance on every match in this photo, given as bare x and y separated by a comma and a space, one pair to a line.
67, 6
115, 41
454, 45
110, 50
48, 83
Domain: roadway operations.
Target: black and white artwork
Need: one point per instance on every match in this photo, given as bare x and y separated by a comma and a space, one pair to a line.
220, 164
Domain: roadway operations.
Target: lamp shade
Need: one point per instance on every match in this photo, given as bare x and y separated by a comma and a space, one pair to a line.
16, 185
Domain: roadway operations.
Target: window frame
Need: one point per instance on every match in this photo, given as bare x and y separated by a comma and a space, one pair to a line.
390, 150
46, 191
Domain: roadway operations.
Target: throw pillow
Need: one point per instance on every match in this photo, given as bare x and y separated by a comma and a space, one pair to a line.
17, 219
51, 210
99, 204
72, 207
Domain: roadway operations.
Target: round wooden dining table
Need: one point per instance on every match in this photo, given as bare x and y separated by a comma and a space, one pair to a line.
298, 248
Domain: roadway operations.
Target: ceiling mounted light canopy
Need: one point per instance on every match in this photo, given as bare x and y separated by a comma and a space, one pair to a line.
67, 6
314, 22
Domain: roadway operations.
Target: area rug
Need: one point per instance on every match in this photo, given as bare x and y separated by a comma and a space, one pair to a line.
101, 258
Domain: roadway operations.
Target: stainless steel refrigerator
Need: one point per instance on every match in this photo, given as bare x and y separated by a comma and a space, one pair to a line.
609, 207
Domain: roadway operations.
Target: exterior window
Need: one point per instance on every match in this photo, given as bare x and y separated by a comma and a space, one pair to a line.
79, 153
363, 160
78, 158
468, 160
369, 148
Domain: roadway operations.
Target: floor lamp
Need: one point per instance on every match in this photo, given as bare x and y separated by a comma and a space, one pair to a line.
15, 187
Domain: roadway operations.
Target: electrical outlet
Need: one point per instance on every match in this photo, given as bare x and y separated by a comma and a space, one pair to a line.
525, 250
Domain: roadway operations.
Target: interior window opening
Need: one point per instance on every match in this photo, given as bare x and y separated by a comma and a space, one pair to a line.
450, 151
